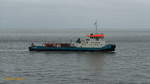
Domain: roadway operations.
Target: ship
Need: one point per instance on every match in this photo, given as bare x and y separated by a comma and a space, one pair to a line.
91, 42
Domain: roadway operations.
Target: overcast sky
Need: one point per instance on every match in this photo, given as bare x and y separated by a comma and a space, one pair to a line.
122, 14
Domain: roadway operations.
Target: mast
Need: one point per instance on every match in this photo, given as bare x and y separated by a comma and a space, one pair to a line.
95, 25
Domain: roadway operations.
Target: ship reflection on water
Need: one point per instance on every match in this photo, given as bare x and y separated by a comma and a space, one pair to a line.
78, 67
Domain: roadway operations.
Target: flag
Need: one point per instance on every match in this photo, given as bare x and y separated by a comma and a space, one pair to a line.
95, 23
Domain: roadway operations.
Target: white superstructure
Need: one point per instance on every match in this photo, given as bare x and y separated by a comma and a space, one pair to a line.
94, 41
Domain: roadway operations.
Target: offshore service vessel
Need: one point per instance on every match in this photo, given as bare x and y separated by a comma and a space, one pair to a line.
93, 42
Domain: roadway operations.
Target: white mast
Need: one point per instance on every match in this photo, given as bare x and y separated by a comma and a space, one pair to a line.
95, 25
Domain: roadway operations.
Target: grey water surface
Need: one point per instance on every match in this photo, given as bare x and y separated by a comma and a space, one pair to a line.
129, 64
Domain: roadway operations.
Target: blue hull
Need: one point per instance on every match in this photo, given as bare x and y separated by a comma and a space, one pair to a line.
109, 47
